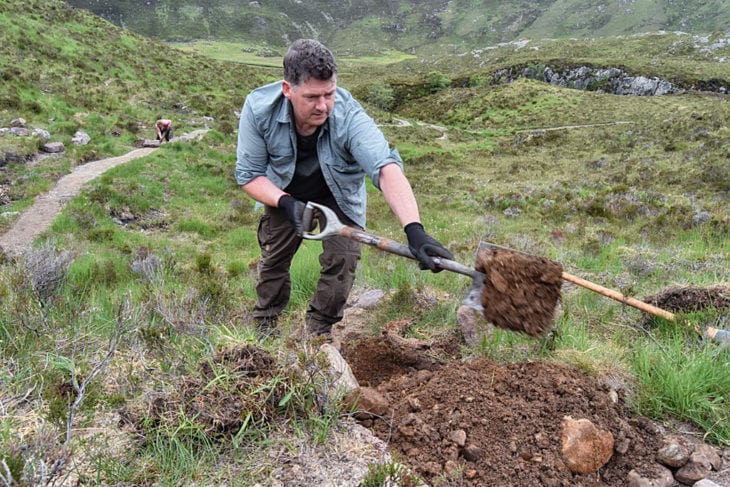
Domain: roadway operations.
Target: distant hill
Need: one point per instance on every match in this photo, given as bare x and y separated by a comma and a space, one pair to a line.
365, 26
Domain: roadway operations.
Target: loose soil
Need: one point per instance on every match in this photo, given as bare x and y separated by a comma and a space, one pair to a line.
477, 422
521, 291
510, 415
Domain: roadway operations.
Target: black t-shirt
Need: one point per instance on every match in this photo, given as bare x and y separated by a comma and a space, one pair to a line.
308, 183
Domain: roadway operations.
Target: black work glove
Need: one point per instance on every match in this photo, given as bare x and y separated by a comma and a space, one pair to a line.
294, 210
423, 247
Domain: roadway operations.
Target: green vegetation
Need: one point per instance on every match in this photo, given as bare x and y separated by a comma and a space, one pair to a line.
368, 27
139, 293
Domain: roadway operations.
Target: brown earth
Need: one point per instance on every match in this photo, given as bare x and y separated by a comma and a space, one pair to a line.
480, 423
510, 414
520, 291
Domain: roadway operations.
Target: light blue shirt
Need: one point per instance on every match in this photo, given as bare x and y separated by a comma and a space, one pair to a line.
350, 146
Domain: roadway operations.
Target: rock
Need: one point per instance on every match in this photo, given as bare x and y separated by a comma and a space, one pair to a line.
692, 472
80, 138
343, 379
369, 299
674, 454
19, 131
53, 147
368, 402
18, 122
710, 453
473, 325
472, 453
450, 467
706, 483
585, 447
697, 467
657, 476
151, 143
414, 404
458, 437
42, 134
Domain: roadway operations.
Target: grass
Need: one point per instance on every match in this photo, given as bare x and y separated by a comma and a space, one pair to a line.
683, 379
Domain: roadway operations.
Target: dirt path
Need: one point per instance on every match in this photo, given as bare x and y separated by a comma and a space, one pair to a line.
36, 219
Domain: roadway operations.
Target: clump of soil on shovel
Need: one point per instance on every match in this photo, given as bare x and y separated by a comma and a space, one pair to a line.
521, 291
480, 423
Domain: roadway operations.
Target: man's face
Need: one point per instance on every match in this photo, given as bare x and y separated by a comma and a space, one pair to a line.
312, 102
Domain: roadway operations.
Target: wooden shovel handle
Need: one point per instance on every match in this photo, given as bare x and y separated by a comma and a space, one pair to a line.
619, 297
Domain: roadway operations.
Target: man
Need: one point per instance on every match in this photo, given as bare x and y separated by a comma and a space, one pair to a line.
305, 139
164, 129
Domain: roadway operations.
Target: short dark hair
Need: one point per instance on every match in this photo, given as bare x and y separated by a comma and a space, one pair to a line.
306, 59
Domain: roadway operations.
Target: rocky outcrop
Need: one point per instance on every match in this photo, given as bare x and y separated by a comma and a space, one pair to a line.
604, 80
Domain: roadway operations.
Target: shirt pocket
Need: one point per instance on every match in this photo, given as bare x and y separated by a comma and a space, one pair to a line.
281, 154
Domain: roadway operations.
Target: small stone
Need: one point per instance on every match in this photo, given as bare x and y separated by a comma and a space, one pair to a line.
414, 404
613, 396
706, 483
458, 437
697, 468
693, 471
673, 455
656, 476
53, 147
450, 467
472, 453
710, 453
80, 138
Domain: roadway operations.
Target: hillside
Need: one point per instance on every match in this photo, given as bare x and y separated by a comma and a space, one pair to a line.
407, 25
81, 63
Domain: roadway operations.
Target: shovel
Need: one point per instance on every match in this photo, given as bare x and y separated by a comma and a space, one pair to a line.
513, 290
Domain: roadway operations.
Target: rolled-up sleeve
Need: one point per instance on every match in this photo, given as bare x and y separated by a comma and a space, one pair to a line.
251, 153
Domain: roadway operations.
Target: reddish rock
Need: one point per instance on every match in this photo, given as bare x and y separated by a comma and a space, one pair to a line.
585, 447
368, 402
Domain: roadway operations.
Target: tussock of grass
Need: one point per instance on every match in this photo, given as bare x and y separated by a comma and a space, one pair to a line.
684, 379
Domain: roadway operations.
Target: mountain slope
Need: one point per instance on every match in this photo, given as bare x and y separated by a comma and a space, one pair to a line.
82, 63
407, 25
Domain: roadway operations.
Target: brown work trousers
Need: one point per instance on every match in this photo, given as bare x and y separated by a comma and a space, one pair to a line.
338, 262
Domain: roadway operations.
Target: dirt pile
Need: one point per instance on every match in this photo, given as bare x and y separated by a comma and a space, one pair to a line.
490, 424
